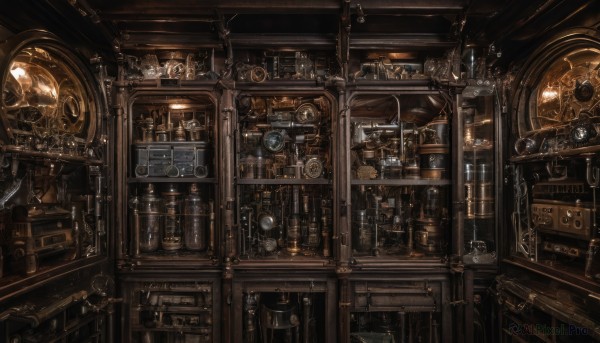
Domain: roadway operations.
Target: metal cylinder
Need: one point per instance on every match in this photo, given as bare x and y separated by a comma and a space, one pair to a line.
484, 191
434, 162
363, 233
430, 237
469, 172
293, 235
483, 172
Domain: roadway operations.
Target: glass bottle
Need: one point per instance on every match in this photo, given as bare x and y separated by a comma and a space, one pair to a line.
172, 238
195, 213
150, 219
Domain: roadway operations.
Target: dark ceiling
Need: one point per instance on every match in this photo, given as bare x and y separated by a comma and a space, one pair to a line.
108, 26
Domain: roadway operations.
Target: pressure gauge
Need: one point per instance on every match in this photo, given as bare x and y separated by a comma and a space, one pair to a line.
584, 91
258, 74
266, 221
582, 133
172, 171
313, 168
273, 141
307, 113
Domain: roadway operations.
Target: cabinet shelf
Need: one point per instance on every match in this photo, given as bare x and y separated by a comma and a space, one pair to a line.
170, 143
171, 180
557, 273
573, 153
481, 148
282, 83
169, 83
403, 182
178, 329
400, 85
284, 182
52, 156
175, 309
13, 285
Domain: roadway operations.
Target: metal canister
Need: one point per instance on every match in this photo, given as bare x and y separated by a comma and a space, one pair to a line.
469, 172
469, 191
363, 235
470, 208
434, 161
293, 235
484, 191
483, 172
484, 208
248, 167
430, 237
436, 132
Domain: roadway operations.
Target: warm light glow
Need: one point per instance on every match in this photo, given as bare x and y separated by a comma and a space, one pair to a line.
178, 106
392, 55
549, 94
17, 72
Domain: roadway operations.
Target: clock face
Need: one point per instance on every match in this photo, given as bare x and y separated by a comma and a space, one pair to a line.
45, 95
566, 89
266, 222
307, 113
313, 168
274, 141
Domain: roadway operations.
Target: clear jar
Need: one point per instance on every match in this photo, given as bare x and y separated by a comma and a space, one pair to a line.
151, 220
195, 220
172, 238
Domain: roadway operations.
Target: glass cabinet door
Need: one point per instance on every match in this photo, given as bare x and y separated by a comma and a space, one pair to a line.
171, 174
400, 175
479, 149
284, 175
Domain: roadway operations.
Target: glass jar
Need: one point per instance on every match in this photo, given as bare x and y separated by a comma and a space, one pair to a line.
150, 219
172, 238
195, 216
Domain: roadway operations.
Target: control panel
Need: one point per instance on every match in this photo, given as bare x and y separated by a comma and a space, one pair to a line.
563, 219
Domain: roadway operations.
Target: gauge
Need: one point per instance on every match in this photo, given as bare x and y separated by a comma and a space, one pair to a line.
582, 133
584, 91
258, 74
266, 221
172, 171
307, 113
313, 168
141, 170
201, 171
274, 141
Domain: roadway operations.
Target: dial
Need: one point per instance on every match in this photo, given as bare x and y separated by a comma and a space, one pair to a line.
313, 168
274, 141
307, 113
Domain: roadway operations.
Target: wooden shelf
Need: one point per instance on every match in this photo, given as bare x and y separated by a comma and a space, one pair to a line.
284, 182
171, 179
403, 182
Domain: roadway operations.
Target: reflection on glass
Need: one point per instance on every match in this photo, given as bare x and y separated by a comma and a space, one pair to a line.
45, 102
567, 89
